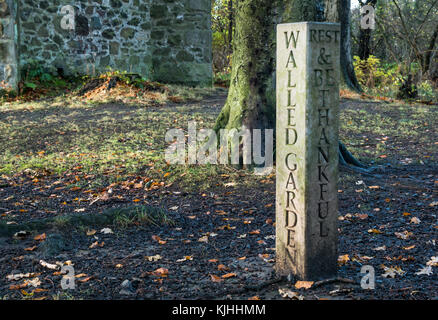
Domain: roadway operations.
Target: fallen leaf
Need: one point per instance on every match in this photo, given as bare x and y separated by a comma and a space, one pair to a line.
19, 276
106, 231
286, 293
49, 265
153, 258
158, 239
203, 239
392, 272
229, 275
366, 258
343, 259
433, 262
255, 298
91, 233
85, 279
18, 286
403, 235
162, 272
222, 267
415, 220
97, 244
304, 284
425, 271
215, 278
186, 258
94, 245
40, 237
34, 282
138, 185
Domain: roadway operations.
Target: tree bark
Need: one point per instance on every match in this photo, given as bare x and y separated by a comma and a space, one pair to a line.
251, 97
365, 34
230, 25
364, 43
250, 103
339, 11
428, 55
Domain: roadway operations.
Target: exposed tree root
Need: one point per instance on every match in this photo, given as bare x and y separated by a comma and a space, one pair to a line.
332, 280
348, 162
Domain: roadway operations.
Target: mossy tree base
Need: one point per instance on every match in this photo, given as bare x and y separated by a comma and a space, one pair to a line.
251, 102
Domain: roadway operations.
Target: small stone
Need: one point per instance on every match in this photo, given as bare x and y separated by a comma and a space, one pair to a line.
53, 245
127, 289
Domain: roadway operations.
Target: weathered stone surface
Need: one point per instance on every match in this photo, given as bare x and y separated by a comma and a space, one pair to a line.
8, 45
5, 9
307, 149
150, 35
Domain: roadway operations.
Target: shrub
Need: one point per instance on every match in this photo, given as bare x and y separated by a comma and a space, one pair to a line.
426, 91
376, 78
222, 79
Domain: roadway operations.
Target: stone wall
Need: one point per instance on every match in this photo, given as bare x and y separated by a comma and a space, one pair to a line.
8, 45
163, 40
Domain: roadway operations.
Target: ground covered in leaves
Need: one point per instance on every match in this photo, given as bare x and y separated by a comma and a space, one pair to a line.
200, 232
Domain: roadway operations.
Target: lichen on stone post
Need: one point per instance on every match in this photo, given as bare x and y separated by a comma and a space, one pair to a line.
308, 75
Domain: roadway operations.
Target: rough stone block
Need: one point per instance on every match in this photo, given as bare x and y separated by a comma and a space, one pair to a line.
308, 73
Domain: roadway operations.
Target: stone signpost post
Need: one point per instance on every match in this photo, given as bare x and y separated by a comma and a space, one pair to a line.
308, 73
8, 45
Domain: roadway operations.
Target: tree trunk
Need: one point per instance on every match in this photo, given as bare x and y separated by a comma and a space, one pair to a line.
251, 97
347, 69
230, 25
364, 43
250, 103
428, 55
365, 34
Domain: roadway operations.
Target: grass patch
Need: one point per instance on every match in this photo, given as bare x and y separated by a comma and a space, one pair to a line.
141, 215
118, 217
381, 131
93, 145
